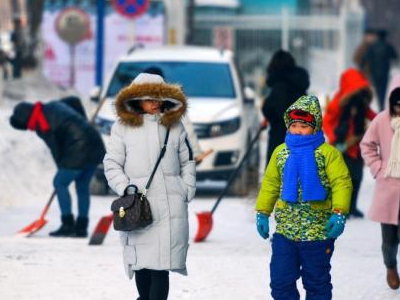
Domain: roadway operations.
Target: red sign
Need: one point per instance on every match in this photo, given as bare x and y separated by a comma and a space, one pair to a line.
131, 8
223, 37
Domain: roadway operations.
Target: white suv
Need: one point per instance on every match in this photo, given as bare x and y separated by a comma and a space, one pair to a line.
223, 119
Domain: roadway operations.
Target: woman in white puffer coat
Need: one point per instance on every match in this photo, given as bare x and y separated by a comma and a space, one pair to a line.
145, 110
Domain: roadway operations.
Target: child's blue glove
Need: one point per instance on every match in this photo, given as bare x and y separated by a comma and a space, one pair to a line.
335, 225
263, 225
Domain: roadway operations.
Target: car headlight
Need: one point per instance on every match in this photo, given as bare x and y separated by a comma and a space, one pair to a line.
103, 125
216, 129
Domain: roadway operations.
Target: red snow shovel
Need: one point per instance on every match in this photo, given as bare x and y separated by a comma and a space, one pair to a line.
39, 223
204, 218
101, 230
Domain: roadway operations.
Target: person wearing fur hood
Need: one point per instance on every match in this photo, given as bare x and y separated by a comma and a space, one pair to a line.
147, 109
380, 149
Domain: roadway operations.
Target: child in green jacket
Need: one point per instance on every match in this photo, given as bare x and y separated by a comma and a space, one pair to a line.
309, 186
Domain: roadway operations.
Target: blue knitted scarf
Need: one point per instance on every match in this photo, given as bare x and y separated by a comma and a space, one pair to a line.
301, 165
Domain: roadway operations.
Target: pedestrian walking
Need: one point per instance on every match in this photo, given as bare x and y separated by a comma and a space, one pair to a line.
345, 122
18, 48
308, 186
76, 147
378, 57
359, 54
147, 109
286, 83
381, 151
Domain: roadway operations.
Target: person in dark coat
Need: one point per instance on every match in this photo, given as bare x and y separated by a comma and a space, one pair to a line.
77, 149
287, 82
359, 54
17, 41
378, 58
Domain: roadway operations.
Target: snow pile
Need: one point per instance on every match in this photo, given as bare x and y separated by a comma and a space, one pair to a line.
26, 165
33, 86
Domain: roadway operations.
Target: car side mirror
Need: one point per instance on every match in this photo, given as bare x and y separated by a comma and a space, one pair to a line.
249, 95
95, 94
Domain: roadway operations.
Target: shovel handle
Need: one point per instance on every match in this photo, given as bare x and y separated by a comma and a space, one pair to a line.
203, 155
238, 168
96, 112
46, 208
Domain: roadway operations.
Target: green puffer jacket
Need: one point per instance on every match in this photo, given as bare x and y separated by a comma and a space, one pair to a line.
305, 221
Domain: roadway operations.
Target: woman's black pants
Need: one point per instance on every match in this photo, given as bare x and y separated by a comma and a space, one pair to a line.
390, 244
152, 284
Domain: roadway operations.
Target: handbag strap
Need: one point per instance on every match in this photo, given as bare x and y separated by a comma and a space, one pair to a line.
163, 149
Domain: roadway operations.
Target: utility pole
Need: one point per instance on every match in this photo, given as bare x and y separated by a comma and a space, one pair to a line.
15, 9
100, 41
176, 21
16, 38
34, 9
190, 22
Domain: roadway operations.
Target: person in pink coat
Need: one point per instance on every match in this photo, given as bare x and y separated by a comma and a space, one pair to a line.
380, 148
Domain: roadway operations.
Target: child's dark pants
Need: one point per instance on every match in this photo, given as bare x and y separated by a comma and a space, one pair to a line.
152, 284
308, 260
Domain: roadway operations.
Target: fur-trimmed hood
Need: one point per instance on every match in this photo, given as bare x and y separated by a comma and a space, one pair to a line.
145, 87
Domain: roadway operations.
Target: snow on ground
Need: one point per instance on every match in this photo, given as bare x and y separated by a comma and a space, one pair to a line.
232, 264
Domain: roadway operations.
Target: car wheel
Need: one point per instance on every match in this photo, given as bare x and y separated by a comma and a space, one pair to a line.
239, 186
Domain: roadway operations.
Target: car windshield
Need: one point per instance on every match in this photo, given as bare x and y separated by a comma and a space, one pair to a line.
197, 79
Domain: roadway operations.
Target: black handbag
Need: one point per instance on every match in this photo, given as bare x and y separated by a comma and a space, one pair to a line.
133, 211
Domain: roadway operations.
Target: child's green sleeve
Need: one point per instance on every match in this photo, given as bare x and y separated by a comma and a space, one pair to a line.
340, 181
270, 187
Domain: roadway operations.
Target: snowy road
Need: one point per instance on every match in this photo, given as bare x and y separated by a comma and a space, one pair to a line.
232, 264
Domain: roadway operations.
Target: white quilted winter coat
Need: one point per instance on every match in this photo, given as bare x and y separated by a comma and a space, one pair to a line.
133, 149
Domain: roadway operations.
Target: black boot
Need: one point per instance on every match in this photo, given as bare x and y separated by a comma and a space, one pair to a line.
356, 213
67, 227
81, 227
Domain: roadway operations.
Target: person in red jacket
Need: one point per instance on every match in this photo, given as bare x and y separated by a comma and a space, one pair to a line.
344, 124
